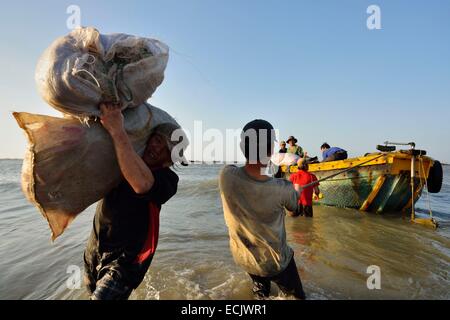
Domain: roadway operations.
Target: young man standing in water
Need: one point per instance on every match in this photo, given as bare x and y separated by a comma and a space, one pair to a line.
300, 179
254, 209
126, 224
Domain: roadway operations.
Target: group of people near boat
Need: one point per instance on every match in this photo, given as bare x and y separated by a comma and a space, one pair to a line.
328, 153
303, 180
126, 224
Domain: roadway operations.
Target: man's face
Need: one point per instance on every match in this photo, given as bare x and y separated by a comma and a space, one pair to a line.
283, 145
291, 143
157, 153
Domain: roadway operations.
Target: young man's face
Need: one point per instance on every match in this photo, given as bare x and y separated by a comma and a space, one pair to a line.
291, 143
157, 153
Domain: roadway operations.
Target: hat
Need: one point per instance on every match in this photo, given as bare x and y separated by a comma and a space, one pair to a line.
167, 130
292, 138
282, 142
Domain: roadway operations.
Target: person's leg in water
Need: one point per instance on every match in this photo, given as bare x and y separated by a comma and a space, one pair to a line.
308, 211
118, 278
89, 274
104, 284
91, 261
300, 211
289, 281
111, 287
261, 287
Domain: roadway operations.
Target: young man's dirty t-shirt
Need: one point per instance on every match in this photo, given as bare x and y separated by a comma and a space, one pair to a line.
254, 213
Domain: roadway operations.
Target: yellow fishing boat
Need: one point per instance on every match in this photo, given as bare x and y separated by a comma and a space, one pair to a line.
385, 181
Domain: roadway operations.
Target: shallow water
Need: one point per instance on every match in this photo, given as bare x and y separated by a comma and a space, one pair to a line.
333, 250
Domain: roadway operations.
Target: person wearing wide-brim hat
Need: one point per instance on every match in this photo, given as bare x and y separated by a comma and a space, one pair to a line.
293, 147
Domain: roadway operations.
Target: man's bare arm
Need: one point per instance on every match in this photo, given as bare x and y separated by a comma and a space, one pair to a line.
316, 190
132, 166
299, 189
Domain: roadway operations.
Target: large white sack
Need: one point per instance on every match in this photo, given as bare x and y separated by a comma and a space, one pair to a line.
284, 159
81, 70
70, 165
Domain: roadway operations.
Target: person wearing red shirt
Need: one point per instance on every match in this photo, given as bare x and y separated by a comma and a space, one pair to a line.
299, 179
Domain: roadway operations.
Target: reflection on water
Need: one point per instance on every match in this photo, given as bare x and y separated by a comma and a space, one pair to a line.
333, 250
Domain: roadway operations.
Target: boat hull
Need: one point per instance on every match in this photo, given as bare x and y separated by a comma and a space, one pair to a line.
381, 185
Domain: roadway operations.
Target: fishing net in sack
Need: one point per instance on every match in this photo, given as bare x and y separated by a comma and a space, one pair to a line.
81, 70
70, 165
284, 159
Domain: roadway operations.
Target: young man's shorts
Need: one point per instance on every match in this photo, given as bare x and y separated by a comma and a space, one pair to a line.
307, 211
302, 210
288, 281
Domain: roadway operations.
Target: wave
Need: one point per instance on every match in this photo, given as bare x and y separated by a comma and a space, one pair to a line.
199, 188
9, 185
205, 281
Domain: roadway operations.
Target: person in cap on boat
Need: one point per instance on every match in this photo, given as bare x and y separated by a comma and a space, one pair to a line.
283, 148
332, 154
126, 223
293, 147
300, 179
254, 210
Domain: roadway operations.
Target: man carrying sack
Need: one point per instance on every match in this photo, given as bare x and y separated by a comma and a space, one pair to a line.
126, 223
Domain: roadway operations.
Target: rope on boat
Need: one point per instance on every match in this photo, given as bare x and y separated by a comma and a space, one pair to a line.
340, 172
426, 222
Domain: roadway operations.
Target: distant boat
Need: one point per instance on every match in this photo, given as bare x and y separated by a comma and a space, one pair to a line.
381, 182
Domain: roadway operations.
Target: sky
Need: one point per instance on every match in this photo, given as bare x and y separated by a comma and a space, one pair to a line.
311, 68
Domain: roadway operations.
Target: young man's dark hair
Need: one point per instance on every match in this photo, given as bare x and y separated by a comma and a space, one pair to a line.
325, 146
257, 140
254, 210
